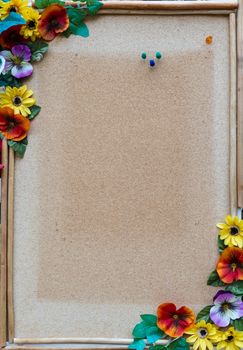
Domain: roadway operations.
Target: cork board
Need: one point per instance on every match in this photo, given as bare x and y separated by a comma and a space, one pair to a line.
125, 176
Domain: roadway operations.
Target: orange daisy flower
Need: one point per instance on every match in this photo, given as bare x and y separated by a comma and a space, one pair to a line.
175, 322
230, 265
54, 20
13, 126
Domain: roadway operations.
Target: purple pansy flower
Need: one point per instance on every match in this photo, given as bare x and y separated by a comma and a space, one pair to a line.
226, 307
17, 61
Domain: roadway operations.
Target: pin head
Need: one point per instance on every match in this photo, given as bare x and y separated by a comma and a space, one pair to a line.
152, 63
158, 55
143, 55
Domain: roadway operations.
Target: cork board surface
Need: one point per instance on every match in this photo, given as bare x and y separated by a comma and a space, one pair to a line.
124, 178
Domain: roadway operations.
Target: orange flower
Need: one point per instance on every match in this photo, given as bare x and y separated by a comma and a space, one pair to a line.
13, 126
230, 265
175, 322
54, 20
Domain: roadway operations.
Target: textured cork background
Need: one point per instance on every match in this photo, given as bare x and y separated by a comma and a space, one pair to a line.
125, 176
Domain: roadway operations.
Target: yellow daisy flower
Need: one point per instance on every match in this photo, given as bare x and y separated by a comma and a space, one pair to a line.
230, 340
13, 5
19, 99
231, 232
29, 30
202, 335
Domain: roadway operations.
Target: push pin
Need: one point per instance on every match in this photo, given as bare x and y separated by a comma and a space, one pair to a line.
143, 55
152, 63
158, 55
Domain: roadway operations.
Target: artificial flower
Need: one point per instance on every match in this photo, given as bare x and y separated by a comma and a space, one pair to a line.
54, 20
2, 64
226, 307
230, 265
19, 99
17, 61
174, 322
231, 232
11, 37
230, 339
13, 5
29, 30
13, 126
201, 336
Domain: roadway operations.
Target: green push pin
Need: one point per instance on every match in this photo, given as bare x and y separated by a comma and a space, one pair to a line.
143, 55
158, 55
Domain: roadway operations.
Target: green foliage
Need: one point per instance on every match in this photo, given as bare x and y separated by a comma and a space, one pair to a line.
8, 80
93, 6
35, 110
214, 280
238, 324
19, 147
38, 49
138, 344
204, 314
147, 329
157, 347
77, 26
221, 245
149, 319
236, 288
41, 4
179, 344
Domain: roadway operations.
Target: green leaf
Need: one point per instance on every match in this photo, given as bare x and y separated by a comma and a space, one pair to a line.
139, 330
138, 344
153, 334
157, 347
179, 344
221, 245
13, 19
81, 29
77, 26
214, 280
204, 314
41, 4
8, 80
34, 111
149, 319
93, 6
38, 49
236, 288
238, 324
19, 147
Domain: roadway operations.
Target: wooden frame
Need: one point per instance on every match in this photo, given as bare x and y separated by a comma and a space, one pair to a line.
228, 8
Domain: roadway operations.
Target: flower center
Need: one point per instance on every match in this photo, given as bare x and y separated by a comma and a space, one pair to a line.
233, 266
225, 306
31, 24
13, 9
17, 60
234, 230
17, 101
54, 23
175, 317
202, 332
230, 338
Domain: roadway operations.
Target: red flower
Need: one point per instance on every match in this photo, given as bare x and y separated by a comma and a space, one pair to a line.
54, 20
174, 322
11, 37
13, 126
230, 265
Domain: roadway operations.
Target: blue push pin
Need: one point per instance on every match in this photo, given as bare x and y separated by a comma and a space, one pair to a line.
152, 63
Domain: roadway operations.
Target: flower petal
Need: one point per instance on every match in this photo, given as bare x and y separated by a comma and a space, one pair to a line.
23, 70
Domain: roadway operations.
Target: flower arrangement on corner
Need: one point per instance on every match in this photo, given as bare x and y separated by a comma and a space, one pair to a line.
24, 36
219, 324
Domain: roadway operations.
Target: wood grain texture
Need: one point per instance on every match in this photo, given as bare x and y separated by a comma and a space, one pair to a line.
240, 104
10, 308
232, 155
3, 249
